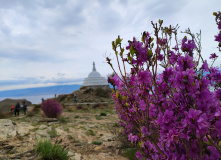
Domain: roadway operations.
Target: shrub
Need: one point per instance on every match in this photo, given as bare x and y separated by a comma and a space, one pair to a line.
103, 114
31, 113
36, 108
76, 116
97, 142
96, 105
52, 109
5, 115
50, 151
176, 113
102, 92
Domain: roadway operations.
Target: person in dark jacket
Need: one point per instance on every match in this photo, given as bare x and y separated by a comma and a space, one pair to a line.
17, 108
24, 107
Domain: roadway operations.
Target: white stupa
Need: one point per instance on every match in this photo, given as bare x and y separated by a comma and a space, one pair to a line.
95, 80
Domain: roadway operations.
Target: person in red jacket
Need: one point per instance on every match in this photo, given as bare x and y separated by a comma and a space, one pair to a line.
12, 108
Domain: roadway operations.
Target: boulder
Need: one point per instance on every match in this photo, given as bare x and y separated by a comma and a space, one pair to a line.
7, 129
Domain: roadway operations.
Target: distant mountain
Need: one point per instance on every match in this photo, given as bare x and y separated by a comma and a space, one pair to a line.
60, 89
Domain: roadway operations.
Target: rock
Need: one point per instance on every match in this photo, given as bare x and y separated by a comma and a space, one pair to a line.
59, 131
42, 126
91, 126
7, 129
24, 128
3, 157
117, 151
98, 148
49, 120
77, 156
107, 138
112, 144
49, 128
71, 154
42, 134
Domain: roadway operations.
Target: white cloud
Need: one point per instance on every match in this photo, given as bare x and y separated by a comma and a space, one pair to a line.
47, 37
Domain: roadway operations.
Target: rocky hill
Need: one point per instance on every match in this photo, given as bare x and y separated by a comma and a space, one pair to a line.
6, 104
87, 95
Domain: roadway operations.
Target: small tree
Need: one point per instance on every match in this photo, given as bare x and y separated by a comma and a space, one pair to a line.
51, 108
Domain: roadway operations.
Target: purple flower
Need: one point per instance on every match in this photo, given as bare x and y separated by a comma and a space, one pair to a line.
162, 42
218, 94
144, 76
218, 38
203, 125
217, 129
145, 131
188, 46
133, 138
194, 150
172, 136
160, 57
117, 81
138, 155
142, 105
205, 66
214, 154
219, 25
173, 57
185, 63
193, 114
168, 73
212, 56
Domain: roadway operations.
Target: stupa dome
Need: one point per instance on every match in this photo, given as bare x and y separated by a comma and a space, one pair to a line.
94, 79
94, 74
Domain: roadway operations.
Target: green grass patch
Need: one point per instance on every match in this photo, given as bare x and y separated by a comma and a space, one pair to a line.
129, 153
50, 151
63, 119
90, 132
116, 125
70, 137
53, 132
98, 117
76, 117
103, 114
82, 127
97, 142
67, 129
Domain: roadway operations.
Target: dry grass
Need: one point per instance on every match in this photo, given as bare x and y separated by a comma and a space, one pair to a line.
6, 115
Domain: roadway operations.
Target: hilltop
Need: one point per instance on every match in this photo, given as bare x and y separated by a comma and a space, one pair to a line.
5, 105
87, 95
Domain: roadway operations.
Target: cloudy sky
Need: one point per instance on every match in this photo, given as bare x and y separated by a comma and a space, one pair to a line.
47, 42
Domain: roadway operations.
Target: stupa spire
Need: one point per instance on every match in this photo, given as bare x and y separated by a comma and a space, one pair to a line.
94, 69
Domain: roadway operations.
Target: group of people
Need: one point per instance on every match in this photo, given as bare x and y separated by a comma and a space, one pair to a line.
17, 108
